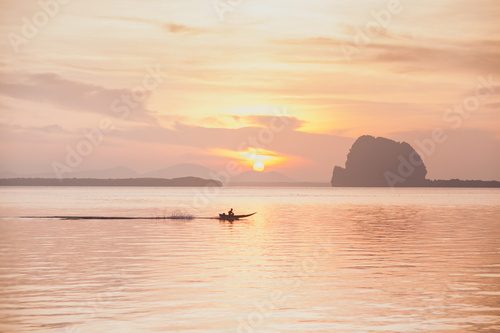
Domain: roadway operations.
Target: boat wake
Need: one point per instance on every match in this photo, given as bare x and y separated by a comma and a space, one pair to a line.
171, 217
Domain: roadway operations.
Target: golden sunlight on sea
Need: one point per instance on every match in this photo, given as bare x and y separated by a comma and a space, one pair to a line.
254, 158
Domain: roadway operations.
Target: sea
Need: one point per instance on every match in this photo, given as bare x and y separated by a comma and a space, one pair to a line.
310, 260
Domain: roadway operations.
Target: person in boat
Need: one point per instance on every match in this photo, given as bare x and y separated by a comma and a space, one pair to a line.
230, 213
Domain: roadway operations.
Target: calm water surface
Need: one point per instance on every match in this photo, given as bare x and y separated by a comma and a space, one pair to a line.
311, 260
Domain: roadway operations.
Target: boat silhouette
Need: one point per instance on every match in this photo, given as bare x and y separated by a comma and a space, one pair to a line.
226, 217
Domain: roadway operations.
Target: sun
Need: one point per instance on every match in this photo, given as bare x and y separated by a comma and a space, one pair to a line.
258, 166
256, 159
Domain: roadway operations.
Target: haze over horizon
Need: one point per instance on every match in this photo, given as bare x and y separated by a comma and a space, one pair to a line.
147, 86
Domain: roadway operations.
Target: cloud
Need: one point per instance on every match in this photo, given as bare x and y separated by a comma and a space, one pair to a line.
269, 121
71, 95
493, 105
19, 133
153, 143
473, 56
182, 29
319, 149
170, 27
414, 54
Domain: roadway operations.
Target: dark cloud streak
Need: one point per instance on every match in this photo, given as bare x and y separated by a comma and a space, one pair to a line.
71, 95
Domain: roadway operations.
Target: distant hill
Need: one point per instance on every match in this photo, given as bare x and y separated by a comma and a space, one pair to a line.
121, 172
381, 162
7, 174
118, 172
111, 173
182, 170
147, 182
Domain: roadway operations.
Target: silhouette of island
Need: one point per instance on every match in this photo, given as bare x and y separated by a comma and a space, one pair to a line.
381, 162
147, 182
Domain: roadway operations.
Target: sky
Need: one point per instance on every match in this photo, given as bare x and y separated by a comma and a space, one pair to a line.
274, 85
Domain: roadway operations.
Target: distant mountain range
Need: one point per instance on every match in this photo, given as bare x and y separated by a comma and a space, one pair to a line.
6, 174
148, 182
182, 170
120, 172
111, 173
249, 178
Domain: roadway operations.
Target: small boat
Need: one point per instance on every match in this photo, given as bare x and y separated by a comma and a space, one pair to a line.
226, 217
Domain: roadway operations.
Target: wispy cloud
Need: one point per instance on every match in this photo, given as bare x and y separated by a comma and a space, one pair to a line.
71, 95
182, 29
170, 27
289, 123
424, 55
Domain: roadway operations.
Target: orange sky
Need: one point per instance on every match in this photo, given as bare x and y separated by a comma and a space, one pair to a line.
217, 72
